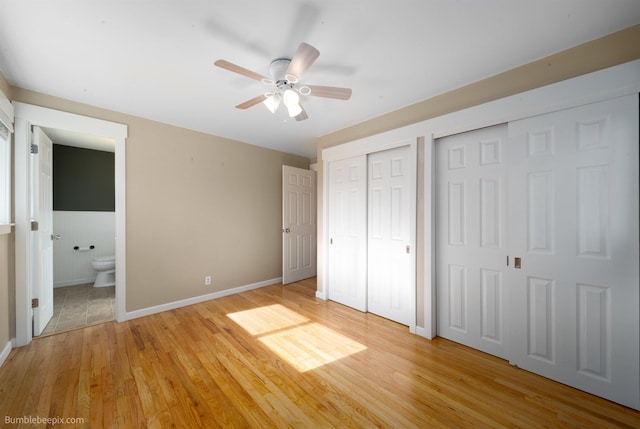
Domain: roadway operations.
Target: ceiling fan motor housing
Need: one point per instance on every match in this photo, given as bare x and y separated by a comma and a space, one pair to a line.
278, 70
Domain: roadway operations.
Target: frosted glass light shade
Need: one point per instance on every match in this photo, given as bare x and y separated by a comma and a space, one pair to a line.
290, 98
272, 102
294, 110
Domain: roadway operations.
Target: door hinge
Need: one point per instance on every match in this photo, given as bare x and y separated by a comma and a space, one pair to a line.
34, 225
35, 302
331, 241
408, 248
34, 148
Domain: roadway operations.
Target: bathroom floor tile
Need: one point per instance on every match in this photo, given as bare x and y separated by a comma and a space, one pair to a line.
67, 325
102, 292
80, 305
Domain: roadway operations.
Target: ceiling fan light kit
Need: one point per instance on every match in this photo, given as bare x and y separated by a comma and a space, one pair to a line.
285, 74
272, 102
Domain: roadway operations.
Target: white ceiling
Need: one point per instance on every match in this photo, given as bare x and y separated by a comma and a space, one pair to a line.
154, 59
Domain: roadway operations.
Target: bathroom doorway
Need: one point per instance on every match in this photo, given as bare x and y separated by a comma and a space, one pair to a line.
26, 277
83, 229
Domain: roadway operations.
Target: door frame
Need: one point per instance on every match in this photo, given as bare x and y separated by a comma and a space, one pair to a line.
27, 115
612, 82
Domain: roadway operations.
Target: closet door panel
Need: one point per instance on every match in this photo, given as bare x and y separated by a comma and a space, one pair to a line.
391, 259
348, 232
573, 221
470, 238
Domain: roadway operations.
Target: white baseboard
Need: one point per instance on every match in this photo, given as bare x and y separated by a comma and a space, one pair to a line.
423, 333
196, 299
74, 282
321, 295
4, 354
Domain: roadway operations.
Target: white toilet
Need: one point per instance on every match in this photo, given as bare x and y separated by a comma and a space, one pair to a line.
106, 268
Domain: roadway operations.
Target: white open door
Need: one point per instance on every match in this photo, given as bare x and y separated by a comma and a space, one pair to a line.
573, 224
42, 238
298, 224
348, 232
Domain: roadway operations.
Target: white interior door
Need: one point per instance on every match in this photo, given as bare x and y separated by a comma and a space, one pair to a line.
471, 238
298, 224
42, 212
347, 274
391, 226
573, 221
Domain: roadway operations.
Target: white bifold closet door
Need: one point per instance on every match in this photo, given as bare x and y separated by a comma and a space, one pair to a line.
564, 211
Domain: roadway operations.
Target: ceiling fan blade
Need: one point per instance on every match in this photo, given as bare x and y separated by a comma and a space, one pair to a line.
240, 70
302, 60
302, 115
330, 92
252, 102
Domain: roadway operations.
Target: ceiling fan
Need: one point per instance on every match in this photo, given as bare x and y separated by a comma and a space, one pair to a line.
285, 77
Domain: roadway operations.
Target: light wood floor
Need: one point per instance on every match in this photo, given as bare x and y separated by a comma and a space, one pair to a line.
278, 357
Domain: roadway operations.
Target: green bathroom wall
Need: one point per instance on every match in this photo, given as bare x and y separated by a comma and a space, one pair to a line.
83, 179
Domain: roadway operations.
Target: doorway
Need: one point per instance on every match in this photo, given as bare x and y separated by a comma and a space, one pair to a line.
27, 116
83, 229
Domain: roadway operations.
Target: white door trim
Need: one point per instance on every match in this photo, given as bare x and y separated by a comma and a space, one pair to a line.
27, 115
615, 81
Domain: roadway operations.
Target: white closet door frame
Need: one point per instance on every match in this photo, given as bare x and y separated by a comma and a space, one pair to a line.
612, 82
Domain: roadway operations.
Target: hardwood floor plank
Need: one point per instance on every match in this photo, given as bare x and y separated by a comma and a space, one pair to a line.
278, 357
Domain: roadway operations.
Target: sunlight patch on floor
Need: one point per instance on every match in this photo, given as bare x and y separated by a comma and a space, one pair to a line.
304, 344
269, 318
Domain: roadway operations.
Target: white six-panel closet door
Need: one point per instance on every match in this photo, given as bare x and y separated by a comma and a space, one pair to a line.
537, 243
471, 256
573, 221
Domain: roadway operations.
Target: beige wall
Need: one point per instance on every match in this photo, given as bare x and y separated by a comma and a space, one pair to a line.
608, 51
7, 289
197, 205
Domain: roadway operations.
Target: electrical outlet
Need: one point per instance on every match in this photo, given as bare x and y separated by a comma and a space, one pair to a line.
207, 280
